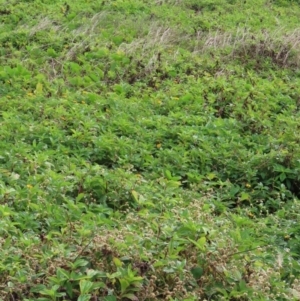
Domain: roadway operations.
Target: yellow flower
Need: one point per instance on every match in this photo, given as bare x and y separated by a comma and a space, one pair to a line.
248, 185
29, 186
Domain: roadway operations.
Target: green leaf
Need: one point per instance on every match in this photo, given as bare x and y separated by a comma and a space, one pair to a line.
172, 183
38, 89
168, 270
197, 272
79, 197
158, 264
211, 176
282, 177
200, 243
92, 273
168, 174
79, 263
85, 286
38, 288
135, 195
51, 52
110, 298
99, 284
77, 276
118, 263
84, 298
243, 286
124, 285
130, 297
245, 196
62, 274
113, 275
69, 289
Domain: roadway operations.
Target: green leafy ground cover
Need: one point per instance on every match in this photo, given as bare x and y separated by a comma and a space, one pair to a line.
149, 150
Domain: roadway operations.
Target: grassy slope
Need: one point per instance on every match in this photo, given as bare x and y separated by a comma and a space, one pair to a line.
149, 150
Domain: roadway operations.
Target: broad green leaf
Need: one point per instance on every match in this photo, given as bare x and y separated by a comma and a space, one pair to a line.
79, 263
38, 288
168, 174
200, 243
99, 284
78, 276
245, 196
158, 264
84, 298
282, 177
211, 176
69, 289
113, 275
243, 285
168, 270
85, 286
124, 285
110, 298
197, 272
130, 296
79, 197
51, 52
118, 263
62, 274
135, 195
91, 273
38, 89
172, 183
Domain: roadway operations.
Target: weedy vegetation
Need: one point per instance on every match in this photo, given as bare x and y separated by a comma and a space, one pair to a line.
149, 150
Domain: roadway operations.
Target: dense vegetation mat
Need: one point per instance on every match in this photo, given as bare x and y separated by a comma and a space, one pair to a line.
149, 150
